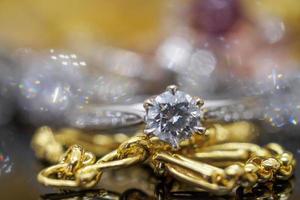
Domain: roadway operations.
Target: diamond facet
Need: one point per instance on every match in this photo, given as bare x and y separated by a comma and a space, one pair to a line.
173, 116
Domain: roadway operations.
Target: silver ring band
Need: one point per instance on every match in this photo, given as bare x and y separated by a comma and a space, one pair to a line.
118, 116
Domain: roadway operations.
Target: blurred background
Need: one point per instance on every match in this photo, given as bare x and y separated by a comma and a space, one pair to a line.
58, 57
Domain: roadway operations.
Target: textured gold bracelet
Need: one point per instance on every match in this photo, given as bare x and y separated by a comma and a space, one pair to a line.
79, 169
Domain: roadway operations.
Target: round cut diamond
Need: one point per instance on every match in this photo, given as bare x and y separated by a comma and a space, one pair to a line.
173, 116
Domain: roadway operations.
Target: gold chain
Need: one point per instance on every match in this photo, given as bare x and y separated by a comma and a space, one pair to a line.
49, 144
79, 168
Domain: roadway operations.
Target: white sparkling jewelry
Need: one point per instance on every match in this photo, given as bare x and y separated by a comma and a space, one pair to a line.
173, 116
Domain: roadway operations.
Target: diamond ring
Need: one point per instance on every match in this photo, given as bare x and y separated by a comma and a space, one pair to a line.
119, 116
174, 115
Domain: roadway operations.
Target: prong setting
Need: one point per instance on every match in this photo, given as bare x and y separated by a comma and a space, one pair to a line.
149, 131
200, 130
148, 103
172, 88
199, 101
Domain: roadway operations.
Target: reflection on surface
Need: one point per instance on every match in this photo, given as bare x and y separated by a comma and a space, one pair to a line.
100, 194
279, 191
5, 164
6, 161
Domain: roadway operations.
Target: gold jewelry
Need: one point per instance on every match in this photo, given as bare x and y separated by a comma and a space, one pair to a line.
79, 169
173, 116
49, 145
175, 145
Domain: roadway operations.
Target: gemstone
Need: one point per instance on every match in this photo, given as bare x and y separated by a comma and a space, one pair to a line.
173, 116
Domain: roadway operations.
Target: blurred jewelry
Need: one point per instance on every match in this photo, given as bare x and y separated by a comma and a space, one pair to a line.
54, 85
49, 145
